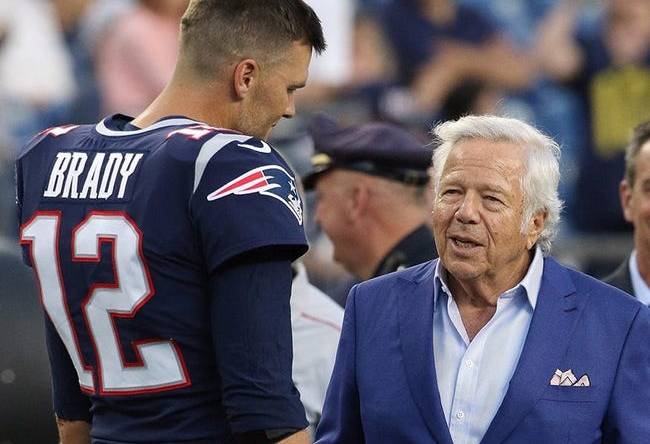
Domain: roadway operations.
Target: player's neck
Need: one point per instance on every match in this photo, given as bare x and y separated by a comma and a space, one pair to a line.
192, 102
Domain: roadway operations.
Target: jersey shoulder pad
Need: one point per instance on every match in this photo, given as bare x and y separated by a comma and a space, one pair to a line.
237, 165
53, 132
241, 149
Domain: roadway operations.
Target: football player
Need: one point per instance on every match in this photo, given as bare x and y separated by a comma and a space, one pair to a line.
162, 244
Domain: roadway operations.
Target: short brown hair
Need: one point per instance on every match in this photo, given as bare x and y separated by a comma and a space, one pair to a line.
639, 138
214, 32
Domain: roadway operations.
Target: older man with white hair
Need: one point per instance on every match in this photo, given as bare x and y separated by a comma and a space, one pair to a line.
495, 342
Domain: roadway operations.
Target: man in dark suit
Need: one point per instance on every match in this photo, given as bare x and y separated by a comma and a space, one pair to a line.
633, 275
495, 342
372, 195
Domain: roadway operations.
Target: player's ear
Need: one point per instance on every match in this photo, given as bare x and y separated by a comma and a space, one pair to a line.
625, 193
244, 77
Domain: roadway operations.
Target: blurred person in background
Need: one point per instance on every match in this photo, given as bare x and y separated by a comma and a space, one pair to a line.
444, 48
71, 15
607, 64
357, 66
135, 57
372, 195
329, 73
36, 75
633, 275
36, 85
83, 24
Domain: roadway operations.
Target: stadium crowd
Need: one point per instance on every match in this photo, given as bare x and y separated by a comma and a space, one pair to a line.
578, 70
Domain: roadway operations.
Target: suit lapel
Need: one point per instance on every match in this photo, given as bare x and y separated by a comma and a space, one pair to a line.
546, 343
416, 340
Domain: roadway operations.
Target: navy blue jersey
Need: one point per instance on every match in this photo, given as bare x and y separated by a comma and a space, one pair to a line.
137, 238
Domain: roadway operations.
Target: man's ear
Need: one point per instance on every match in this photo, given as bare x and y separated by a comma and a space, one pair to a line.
625, 193
360, 196
245, 75
535, 228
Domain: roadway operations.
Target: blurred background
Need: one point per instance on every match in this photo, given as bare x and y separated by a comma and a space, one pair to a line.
579, 70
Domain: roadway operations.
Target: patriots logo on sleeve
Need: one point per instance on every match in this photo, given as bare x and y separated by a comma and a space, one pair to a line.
269, 180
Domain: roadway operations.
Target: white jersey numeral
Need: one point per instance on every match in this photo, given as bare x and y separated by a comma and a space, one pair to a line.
42, 234
160, 363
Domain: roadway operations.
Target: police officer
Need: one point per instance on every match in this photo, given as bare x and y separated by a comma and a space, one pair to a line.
372, 195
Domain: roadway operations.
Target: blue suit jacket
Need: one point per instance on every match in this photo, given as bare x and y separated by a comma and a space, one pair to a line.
384, 389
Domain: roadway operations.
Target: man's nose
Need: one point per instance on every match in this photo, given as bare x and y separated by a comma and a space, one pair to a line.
468, 210
290, 110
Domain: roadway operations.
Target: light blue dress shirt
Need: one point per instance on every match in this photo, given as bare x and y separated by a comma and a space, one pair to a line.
473, 377
641, 289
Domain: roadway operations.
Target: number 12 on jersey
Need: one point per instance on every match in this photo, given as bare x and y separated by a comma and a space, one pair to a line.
160, 363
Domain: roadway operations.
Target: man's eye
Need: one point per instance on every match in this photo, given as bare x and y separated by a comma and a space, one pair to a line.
492, 199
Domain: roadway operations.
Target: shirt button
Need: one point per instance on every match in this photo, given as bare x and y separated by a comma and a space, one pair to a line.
460, 415
469, 363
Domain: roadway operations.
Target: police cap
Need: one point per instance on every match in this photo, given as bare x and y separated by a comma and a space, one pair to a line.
377, 148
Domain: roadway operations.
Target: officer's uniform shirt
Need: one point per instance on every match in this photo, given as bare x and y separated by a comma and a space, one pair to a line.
414, 249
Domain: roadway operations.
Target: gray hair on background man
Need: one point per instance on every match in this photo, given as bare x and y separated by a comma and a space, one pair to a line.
540, 182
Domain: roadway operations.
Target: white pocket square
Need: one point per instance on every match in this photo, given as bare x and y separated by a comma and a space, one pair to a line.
568, 379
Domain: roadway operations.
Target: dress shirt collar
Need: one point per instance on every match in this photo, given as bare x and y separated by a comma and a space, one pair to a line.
641, 289
531, 282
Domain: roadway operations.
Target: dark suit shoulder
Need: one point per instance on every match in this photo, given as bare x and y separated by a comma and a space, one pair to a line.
603, 296
621, 278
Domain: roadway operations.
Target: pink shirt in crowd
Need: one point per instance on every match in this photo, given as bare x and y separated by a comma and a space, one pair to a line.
135, 60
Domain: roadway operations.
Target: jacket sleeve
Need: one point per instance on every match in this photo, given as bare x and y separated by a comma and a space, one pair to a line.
341, 420
628, 414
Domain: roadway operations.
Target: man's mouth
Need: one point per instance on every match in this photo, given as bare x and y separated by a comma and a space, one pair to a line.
464, 243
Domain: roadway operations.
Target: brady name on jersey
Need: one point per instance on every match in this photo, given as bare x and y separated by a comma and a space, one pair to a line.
101, 174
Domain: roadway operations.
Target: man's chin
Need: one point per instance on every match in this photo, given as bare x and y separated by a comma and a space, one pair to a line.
341, 262
462, 270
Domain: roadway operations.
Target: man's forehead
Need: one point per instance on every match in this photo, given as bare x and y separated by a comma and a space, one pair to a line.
299, 53
502, 179
481, 146
487, 154
292, 59
645, 148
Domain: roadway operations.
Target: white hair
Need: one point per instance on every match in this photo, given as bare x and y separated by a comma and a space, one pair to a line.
540, 182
